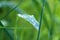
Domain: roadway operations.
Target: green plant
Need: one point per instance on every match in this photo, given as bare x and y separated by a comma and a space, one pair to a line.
29, 20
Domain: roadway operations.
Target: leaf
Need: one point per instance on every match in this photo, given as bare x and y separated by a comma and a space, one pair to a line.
8, 32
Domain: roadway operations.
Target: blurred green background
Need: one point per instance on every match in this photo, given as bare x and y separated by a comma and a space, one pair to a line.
13, 27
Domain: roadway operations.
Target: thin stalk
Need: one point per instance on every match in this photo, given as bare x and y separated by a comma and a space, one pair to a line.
53, 21
40, 23
7, 32
38, 9
9, 4
8, 12
51, 17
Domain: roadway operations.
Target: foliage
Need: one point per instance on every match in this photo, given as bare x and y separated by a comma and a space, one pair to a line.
20, 19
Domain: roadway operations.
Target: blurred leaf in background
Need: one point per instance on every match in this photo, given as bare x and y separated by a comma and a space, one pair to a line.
19, 19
